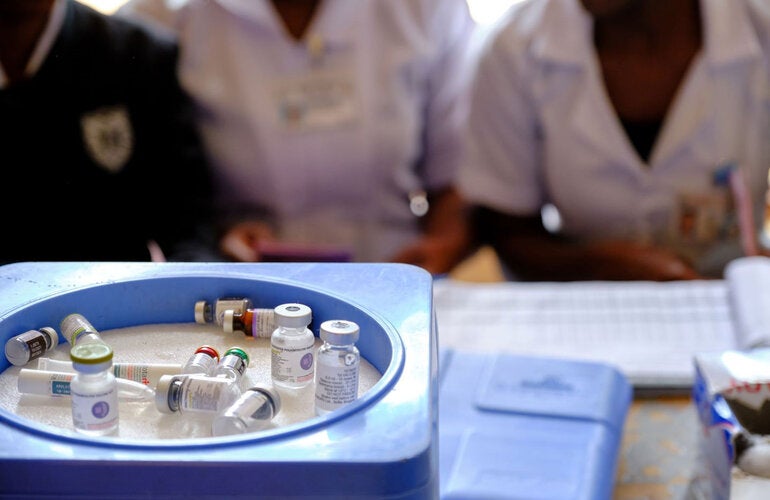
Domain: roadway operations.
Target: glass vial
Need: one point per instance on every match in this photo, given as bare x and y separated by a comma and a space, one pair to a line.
196, 394
204, 361
56, 384
145, 373
237, 304
233, 363
292, 344
30, 345
44, 382
75, 328
205, 313
252, 411
337, 366
94, 390
257, 323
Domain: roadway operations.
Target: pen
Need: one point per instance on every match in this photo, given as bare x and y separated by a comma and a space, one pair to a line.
744, 209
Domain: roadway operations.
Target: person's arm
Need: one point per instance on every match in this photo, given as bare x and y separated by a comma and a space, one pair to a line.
160, 14
174, 167
447, 237
531, 253
240, 241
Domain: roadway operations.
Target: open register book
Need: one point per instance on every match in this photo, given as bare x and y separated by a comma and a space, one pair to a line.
649, 330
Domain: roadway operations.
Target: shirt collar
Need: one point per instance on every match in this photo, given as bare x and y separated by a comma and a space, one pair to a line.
728, 32
333, 23
565, 32
44, 43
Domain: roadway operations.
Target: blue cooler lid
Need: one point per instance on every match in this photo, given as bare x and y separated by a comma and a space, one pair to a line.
555, 388
519, 427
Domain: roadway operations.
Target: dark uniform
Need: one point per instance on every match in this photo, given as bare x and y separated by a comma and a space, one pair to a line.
98, 151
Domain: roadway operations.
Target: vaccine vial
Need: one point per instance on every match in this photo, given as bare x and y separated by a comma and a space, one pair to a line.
205, 313
337, 366
233, 363
75, 328
44, 382
195, 394
30, 345
236, 304
58, 384
255, 322
204, 361
145, 373
292, 345
252, 411
94, 390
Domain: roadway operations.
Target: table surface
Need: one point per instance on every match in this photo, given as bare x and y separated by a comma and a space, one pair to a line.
659, 457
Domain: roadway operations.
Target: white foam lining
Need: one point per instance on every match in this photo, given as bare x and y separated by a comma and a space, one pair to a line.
165, 343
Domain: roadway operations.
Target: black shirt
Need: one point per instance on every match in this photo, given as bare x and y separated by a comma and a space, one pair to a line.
99, 151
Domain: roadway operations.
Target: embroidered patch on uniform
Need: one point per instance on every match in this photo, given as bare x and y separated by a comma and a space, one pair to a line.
108, 137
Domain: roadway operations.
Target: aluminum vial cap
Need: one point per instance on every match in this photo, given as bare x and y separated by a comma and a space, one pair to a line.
203, 312
166, 391
207, 349
237, 351
91, 358
228, 320
293, 315
271, 394
339, 332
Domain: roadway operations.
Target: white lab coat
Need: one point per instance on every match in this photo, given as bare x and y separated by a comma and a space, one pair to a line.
542, 128
341, 176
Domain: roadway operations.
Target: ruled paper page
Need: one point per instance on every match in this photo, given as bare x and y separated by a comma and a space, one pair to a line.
749, 280
649, 330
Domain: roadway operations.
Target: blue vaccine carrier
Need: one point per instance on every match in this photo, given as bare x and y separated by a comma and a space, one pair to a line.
384, 445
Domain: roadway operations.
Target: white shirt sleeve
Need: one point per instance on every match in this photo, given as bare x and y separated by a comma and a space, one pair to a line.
161, 14
500, 168
446, 108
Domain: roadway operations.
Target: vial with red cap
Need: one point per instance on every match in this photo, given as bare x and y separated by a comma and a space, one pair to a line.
204, 361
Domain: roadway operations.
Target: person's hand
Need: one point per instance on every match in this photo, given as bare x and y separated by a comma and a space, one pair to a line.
619, 260
240, 243
434, 254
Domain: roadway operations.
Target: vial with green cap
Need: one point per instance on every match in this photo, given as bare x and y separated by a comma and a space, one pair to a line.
233, 363
94, 390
